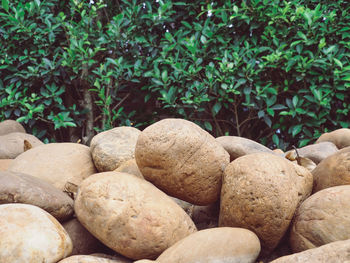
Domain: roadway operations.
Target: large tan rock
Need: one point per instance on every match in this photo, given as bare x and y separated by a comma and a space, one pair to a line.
56, 163
90, 259
29, 234
5, 164
334, 252
333, 171
23, 188
340, 137
322, 218
239, 146
182, 159
9, 126
317, 152
261, 192
130, 167
130, 215
13, 144
223, 244
111, 148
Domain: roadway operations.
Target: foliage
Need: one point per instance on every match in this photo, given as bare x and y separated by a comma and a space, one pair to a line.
270, 70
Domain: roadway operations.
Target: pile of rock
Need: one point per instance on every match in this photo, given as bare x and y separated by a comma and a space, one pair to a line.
172, 193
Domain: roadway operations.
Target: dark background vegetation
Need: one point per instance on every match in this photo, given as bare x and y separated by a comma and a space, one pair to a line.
277, 72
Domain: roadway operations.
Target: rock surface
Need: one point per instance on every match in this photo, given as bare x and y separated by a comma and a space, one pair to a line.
9, 126
90, 259
340, 137
23, 188
56, 163
332, 171
261, 192
239, 146
5, 164
321, 219
182, 159
29, 234
130, 167
111, 148
334, 252
13, 144
130, 215
206, 216
224, 244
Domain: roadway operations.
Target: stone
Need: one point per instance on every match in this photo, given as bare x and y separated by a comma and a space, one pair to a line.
334, 252
27, 189
111, 148
332, 171
130, 215
182, 159
30, 234
130, 167
9, 126
144, 261
207, 216
261, 192
223, 244
321, 219
239, 146
13, 144
90, 259
340, 137
5, 164
115, 256
317, 152
56, 163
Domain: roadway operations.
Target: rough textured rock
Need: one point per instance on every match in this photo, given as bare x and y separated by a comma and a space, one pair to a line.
130, 167
144, 261
261, 192
130, 215
29, 234
115, 256
111, 148
13, 144
182, 159
334, 252
90, 259
206, 216
317, 152
332, 171
322, 218
239, 146
340, 137
23, 188
5, 164
9, 126
223, 244
56, 163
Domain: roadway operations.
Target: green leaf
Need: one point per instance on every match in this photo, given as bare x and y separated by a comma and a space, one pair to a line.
338, 62
216, 108
296, 129
5, 5
208, 126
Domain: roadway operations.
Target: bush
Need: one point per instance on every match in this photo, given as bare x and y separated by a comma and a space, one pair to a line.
273, 71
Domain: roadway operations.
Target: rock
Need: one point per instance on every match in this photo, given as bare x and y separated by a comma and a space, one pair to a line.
261, 192
130, 167
56, 163
332, 171
186, 206
29, 234
278, 151
223, 244
13, 144
83, 242
206, 216
90, 259
23, 188
334, 252
10, 126
182, 159
239, 146
322, 218
111, 148
115, 256
144, 261
130, 215
340, 137
5, 163
316, 152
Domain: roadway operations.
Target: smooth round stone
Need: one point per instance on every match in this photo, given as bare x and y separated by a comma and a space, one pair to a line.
90, 259
5, 164
224, 244
129, 167
29, 234
340, 137
9, 126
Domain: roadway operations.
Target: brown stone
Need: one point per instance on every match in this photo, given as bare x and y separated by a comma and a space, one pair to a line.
23, 188
130, 215
182, 159
130, 167
9, 126
90, 259
322, 218
340, 137
5, 164
111, 148
223, 244
13, 144
205, 217
261, 192
56, 163
239, 146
